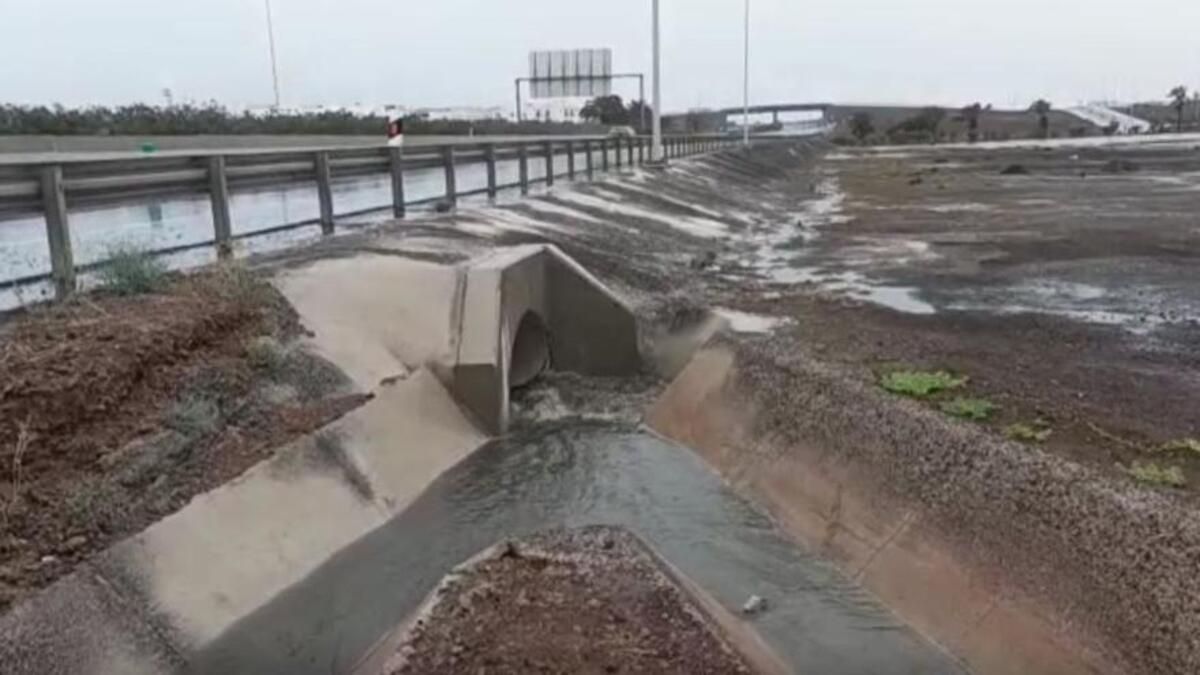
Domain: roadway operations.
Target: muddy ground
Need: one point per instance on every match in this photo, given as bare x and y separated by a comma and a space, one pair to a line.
116, 410
584, 601
1069, 295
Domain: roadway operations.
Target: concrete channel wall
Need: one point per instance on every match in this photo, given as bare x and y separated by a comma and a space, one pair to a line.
962, 534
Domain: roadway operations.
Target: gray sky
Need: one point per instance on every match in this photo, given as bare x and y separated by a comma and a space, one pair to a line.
466, 52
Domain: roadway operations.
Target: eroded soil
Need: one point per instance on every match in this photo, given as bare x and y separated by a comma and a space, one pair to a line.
115, 411
586, 601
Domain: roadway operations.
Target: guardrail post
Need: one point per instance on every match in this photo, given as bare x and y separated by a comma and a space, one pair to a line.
629, 151
591, 171
58, 231
641, 143
218, 191
396, 165
548, 150
325, 192
451, 177
617, 153
570, 160
489, 160
523, 167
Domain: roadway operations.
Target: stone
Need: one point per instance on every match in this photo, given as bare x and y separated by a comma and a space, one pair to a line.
754, 605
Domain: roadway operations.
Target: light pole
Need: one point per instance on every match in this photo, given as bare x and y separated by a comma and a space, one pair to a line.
746, 82
656, 150
274, 64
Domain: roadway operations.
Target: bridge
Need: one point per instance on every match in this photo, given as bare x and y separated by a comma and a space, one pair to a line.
716, 120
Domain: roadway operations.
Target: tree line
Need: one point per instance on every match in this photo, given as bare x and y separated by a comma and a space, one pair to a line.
926, 126
147, 120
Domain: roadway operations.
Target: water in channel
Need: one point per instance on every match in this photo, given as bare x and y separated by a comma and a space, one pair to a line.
575, 474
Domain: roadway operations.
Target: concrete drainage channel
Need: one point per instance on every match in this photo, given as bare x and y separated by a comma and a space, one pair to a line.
316, 560
310, 561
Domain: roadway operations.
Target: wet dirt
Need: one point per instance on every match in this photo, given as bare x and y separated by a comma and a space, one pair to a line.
582, 601
1069, 298
116, 410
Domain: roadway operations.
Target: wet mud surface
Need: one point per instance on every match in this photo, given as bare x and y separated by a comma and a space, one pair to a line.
582, 601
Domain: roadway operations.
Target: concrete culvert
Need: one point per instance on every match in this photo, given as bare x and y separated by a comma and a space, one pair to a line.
530, 351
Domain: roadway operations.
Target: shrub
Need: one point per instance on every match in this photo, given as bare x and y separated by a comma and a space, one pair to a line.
130, 270
194, 416
267, 354
920, 384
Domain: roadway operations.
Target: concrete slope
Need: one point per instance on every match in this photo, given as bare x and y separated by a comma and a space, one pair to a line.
438, 346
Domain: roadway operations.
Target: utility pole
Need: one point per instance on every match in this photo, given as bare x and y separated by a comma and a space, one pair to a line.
656, 150
746, 82
274, 63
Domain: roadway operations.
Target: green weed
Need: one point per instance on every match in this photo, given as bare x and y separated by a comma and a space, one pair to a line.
976, 409
267, 354
1189, 446
920, 384
129, 270
194, 416
1153, 474
1037, 432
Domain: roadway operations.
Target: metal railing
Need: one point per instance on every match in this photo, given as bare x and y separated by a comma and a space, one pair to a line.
55, 188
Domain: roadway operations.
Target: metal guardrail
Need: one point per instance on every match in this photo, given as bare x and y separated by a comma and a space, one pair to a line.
54, 188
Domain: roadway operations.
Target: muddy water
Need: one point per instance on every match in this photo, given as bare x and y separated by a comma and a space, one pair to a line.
573, 475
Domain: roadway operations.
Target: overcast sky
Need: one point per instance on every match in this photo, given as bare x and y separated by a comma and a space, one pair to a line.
467, 52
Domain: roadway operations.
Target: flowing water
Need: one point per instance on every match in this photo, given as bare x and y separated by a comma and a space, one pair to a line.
573, 475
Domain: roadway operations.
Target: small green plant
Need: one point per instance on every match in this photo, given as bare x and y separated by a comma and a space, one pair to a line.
976, 409
1153, 474
267, 354
194, 416
130, 270
1189, 446
1037, 432
920, 384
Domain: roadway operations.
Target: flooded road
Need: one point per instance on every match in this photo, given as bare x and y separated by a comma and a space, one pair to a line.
573, 476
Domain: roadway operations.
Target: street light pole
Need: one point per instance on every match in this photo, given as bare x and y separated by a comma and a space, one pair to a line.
746, 82
274, 64
656, 150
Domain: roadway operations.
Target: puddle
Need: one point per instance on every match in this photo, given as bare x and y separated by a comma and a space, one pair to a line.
745, 322
965, 207
779, 255
817, 621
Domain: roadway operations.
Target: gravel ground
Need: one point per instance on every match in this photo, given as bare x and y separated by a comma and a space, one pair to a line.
583, 601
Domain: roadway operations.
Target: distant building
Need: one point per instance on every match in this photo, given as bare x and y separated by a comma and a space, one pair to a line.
554, 109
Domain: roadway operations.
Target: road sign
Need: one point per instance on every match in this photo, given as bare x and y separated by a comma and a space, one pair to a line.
570, 73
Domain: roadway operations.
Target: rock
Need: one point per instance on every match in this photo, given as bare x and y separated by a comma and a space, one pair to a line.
754, 605
74, 543
1014, 170
443, 206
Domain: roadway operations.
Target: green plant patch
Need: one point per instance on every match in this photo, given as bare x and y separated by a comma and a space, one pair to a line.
920, 384
129, 270
1153, 474
1028, 433
1190, 446
976, 409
